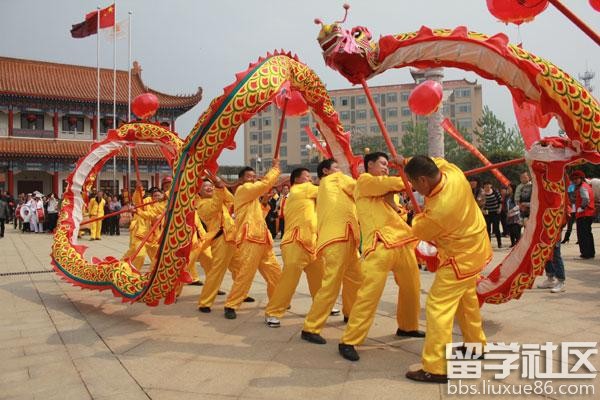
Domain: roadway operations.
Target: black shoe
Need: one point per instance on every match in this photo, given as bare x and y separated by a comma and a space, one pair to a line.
230, 313
585, 257
401, 333
205, 310
348, 352
423, 376
565, 241
313, 337
220, 293
196, 283
346, 319
249, 300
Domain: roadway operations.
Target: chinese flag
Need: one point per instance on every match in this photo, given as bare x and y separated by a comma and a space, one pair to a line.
90, 25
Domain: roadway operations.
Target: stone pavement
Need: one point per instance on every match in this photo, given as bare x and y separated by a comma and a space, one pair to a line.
60, 342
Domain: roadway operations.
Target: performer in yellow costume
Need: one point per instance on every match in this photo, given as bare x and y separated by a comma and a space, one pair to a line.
297, 246
201, 250
150, 215
96, 210
253, 239
388, 244
337, 244
138, 229
453, 222
213, 209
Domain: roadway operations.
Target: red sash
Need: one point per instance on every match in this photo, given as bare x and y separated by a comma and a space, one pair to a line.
40, 214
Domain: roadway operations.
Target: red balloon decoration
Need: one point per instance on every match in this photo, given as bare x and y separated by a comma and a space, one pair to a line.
145, 105
516, 11
595, 4
296, 105
426, 98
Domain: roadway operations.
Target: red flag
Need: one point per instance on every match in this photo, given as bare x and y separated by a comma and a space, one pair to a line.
90, 25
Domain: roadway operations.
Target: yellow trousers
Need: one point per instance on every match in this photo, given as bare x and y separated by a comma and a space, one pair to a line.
96, 229
295, 260
205, 259
341, 266
449, 297
253, 256
222, 255
138, 261
375, 268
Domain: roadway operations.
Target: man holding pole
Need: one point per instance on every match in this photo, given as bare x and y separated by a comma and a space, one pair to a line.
452, 221
253, 239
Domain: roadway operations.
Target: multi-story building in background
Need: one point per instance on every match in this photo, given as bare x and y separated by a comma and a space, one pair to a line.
462, 104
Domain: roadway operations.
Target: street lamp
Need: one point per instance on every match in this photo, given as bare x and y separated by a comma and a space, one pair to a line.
258, 165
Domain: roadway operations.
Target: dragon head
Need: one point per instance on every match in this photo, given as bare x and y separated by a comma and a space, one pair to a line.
351, 52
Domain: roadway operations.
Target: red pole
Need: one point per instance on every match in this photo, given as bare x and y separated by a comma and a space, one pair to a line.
497, 165
390, 146
452, 131
280, 133
89, 221
580, 24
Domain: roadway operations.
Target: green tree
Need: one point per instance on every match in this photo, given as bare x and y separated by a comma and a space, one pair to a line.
493, 135
414, 141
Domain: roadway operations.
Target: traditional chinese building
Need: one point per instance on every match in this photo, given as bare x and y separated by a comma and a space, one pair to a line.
48, 120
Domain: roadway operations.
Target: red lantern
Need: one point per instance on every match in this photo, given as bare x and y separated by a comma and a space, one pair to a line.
107, 121
595, 4
516, 11
72, 121
425, 98
31, 117
296, 106
145, 105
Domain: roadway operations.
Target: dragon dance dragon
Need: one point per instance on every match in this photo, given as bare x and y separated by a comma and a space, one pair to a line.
355, 55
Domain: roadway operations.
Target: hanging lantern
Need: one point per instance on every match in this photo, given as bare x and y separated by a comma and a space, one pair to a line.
145, 105
425, 98
107, 121
72, 121
516, 11
595, 4
31, 117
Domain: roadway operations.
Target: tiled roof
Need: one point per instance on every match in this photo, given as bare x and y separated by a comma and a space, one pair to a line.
48, 80
12, 147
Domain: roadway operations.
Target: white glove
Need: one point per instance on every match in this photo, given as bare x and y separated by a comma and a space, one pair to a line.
579, 209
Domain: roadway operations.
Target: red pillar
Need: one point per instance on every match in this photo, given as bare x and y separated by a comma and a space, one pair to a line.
55, 184
10, 122
11, 182
95, 128
156, 180
173, 125
55, 121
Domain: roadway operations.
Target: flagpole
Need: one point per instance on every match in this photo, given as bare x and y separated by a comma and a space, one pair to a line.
97, 76
129, 102
115, 92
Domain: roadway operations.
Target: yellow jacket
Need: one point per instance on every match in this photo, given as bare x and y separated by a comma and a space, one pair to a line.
336, 211
249, 220
214, 212
300, 216
139, 226
95, 208
378, 219
148, 217
453, 221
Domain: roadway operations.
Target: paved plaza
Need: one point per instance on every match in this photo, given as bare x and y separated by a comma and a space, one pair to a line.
60, 342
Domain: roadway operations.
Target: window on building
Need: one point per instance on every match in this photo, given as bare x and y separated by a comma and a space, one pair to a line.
304, 121
303, 137
267, 164
405, 112
462, 92
72, 123
466, 123
254, 136
253, 149
253, 122
333, 101
361, 129
376, 97
108, 186
392, 112
284, 137
266, 135
395, 141
391, 97
266, 121
361, 114
344, 101
266, 148
404, 96
463, 108
392, 127
446, 109
361, 100
283, 151
303, 151
345, 115
406, 126
30, 120
375, 129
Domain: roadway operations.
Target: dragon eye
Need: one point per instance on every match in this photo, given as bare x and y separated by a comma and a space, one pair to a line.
357, 34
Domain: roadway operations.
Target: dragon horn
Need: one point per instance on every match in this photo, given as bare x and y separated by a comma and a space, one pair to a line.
346, 7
